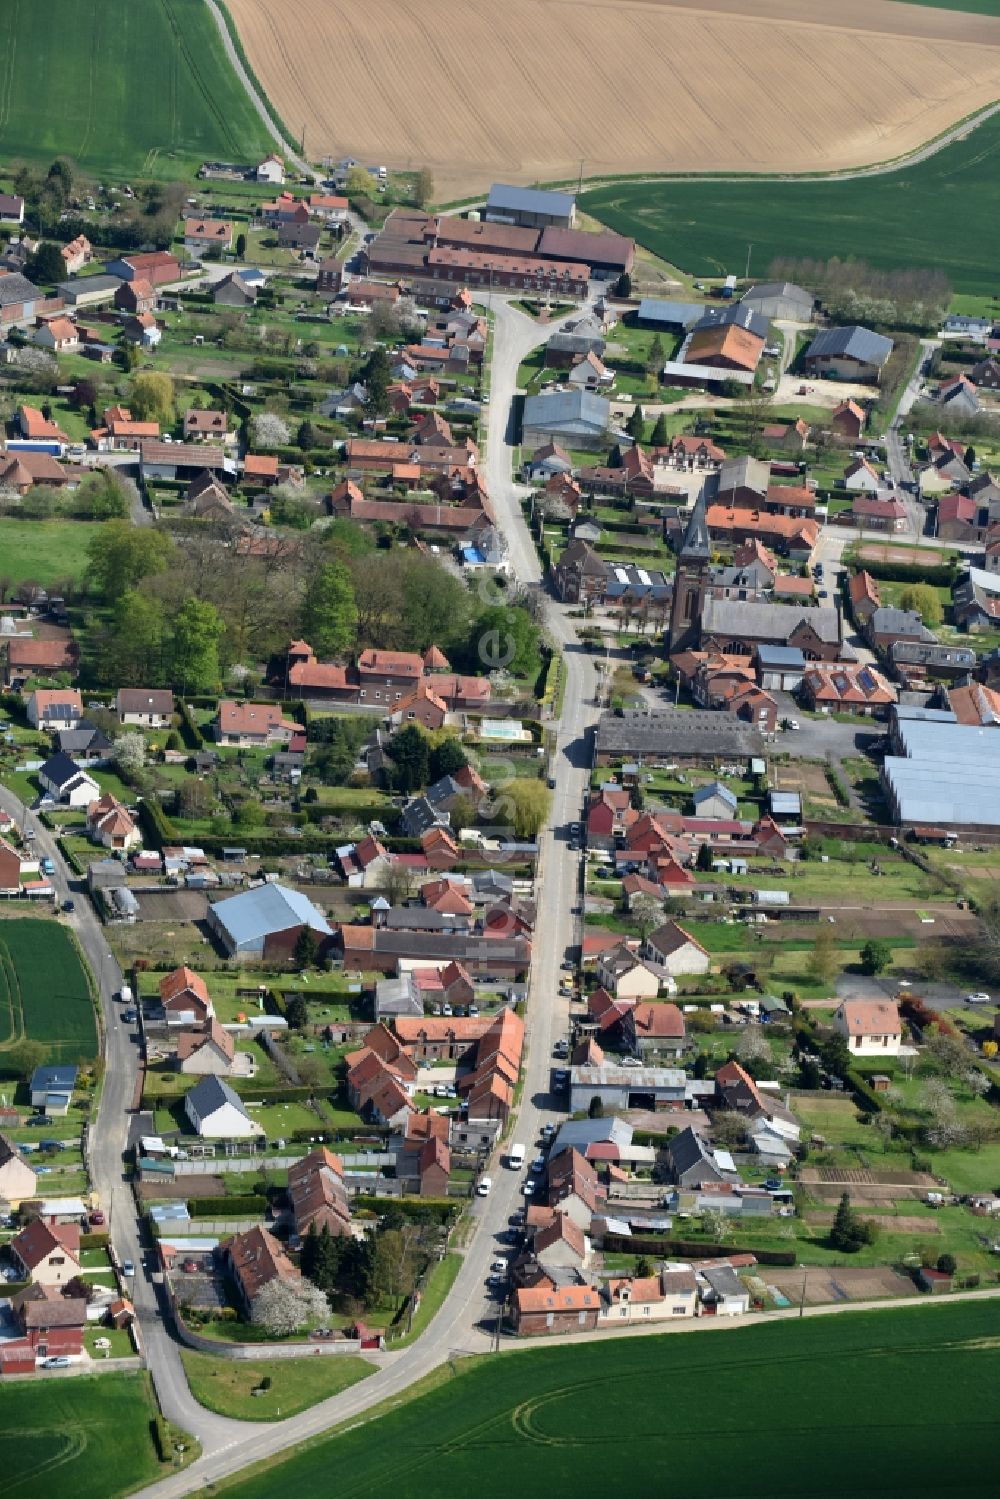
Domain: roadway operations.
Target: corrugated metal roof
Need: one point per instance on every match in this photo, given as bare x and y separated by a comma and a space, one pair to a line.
257, 913
854, 342
505, 198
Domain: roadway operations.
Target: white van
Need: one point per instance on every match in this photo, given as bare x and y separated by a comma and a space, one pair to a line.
484, 1186
515, 1157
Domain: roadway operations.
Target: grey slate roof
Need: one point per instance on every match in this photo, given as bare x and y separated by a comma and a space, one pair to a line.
566, 408
60, 769
743, 473
17, 288
854, 342
774, 622
670, 314
736, 314
504, 198
889, 621
697, 544
672, 731
211, 1094
712, 790
787, 656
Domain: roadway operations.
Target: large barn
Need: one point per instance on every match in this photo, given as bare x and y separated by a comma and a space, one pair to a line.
266, 922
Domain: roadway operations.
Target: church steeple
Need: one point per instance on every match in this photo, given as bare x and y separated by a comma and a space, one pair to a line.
690, 581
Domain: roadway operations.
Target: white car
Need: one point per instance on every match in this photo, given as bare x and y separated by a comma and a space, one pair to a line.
977, 999
528, 1189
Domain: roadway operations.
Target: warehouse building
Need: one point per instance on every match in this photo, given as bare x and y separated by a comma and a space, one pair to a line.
266, 922
530, 206
943, 775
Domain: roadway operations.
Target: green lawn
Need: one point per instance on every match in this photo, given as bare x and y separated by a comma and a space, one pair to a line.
43, 551
226, 1386
142, 89
44, 993
88, 1436
539, 1423
940, 212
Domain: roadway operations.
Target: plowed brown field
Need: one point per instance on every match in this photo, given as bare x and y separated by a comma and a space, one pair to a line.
523, 90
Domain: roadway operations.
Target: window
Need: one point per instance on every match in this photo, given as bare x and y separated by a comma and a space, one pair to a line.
623, 1311
678, 1311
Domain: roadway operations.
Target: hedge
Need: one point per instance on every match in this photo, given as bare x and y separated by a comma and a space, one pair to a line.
190, 732
156, 825
246, 1206
691, 1249
910, 572
161, 1438
95, 1241
271, 1091
864, 1094
420, 1209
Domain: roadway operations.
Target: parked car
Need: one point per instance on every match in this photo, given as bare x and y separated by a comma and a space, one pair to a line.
128, 1268
58, 1362
528, 1188
68, 905
977, 999
538, 1165
129, 1016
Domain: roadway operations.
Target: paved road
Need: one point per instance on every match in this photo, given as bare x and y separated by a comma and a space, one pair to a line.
255, 99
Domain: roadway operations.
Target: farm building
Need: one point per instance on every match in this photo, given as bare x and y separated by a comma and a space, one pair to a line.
780, 299
530, 207
575, 418
266, 922
848, 353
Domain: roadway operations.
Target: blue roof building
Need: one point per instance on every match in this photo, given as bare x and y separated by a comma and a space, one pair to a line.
530, 206
266, 922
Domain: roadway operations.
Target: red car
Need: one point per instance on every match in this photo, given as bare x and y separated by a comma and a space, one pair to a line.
190, 1266
97, 1217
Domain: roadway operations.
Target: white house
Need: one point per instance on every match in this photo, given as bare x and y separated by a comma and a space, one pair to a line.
861, 477
271, 169
216, 1112
62, 778
871, 1027
665, 1297
674, 950
55, 708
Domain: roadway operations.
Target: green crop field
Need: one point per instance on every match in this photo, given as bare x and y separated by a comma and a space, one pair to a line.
89, 1437
887, 1403
123, 87
44, 994
942, 213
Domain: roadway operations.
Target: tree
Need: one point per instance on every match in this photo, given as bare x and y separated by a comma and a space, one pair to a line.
595, 1109
194, 799
876, 956
716, 1225
46, 265
423, 187
729, 1129
447, 758
947, 1052
623, 286
977, 1082
970, 457
23, 1057
849, 1233
197, 632
269, 431
389, 1271
753, 1045
133, 651
376, 378
647, 913
284, 1306
636, 426
823, 958
463, 814
505, 637
528, 803
151, 398
322, 1258
119, 556
943, 1128
329, 613
241, 246
923, 600
85, 392
37, 370
359, 183
643, 1267
296, 1013
104, 494
835, 1056
656, 356
947, 1263
410, 753
660, 436
704, 859
129, 753
307, 437
305, 948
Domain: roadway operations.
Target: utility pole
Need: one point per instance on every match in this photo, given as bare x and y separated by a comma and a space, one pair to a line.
749, 249
579, 185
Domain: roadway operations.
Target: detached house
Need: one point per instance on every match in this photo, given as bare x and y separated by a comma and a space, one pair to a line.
202, 235
251, 725
17, 1180
654, 1030
217, 1113
185, 998
675, 951
255, 1259
47, 1253
209, 1051
55, 709
871, 1027
145, 707
109, 823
